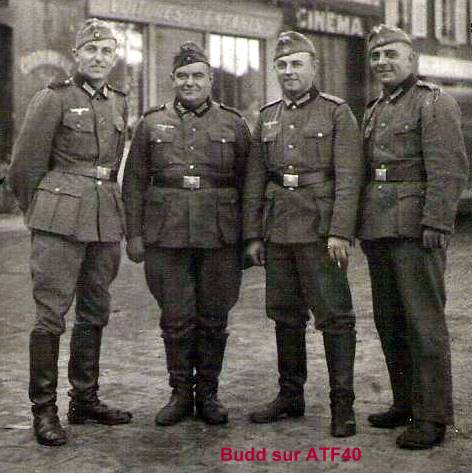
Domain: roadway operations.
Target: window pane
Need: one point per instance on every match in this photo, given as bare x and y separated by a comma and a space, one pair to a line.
237, 67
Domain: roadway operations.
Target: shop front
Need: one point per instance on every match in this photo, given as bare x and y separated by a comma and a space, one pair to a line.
338, 30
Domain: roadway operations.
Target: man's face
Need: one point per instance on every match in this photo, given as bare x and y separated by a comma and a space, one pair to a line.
392, 63
192, 83
295, 73
96, 59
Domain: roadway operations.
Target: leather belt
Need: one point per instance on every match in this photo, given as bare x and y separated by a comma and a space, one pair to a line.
411, 172
291, 180
193, 182
97, 172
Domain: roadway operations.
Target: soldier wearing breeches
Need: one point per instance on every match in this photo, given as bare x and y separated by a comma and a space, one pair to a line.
64, 170
300, 205
181, 191
417, 168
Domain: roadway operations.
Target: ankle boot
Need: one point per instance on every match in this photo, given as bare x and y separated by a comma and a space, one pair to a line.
340, 354
209, 362
44, 354
85, 407
291, 356
179, 356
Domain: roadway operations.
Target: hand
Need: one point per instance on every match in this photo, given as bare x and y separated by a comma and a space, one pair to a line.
135, 249
256, 251
434, 238
338, 252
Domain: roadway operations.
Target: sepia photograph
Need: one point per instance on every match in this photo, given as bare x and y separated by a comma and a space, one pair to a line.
235, 236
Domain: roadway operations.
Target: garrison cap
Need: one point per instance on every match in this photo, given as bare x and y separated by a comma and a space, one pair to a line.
383, 34
189, 53
93, 30
290, 42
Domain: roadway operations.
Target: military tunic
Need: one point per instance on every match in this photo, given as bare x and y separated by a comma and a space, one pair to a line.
63, 174
417, 169
316, 139
192, 232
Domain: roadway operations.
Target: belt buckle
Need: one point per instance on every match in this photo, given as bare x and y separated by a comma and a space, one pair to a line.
191, 182
103, 173
290, 180
381, 175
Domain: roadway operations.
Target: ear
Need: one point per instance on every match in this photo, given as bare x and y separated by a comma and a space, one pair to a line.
75, 54
172, 76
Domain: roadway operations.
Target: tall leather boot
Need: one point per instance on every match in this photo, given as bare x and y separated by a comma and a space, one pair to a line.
44, 354
291, 356
84, 362
209, 362
340, 350
179, 355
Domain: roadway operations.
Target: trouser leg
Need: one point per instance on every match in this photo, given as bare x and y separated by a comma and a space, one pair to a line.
390, 321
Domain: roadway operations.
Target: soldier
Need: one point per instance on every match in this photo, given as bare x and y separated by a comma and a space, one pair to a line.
300, 206
181, 191
64, 170
417, 169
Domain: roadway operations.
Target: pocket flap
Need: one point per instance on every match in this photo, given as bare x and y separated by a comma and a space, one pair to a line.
223, 136
81, 123
319, 132
162, 135
410, 191
51, 184
405, 127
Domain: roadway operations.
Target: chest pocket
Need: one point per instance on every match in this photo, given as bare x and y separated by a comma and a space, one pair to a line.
269, 141
407, 138
161, 143
83, 123
222, 148
318, 142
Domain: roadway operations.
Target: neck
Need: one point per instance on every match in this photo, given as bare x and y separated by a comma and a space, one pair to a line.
192, 106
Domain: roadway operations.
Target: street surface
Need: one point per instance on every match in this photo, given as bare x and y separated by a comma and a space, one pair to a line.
133, 376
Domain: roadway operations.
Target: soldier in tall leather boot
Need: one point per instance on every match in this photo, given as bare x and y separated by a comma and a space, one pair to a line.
300, 204
417, 168
63, 173
180, 365
182, 192
211, 346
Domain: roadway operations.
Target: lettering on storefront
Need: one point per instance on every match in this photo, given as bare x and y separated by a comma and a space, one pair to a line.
45, 57
259, 24
326, 21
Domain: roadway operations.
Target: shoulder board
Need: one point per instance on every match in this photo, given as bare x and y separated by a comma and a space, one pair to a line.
118, 91
372, 102
60, 84
231, 109
427, 85
431, 87
332, 98
155, 109
267, 105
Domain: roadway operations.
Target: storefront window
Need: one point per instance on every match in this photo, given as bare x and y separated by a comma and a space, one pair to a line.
451, 21
238, 77
128, 72
410, 15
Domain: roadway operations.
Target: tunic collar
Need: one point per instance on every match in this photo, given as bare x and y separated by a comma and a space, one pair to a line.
307, 97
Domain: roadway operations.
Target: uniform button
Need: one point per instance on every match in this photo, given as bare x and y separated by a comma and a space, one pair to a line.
380, 187
191, 166
194, 130
290, 167
291, 146
319, 135
57, 189
191, 148
223, 140
99, 182
78, 125
158, 140
294, 107
382, 146
382, 166
291, 126
383, 124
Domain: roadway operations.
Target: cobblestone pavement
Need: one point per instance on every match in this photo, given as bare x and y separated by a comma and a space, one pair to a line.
134, 376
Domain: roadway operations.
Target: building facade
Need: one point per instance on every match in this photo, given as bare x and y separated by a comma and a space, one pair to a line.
36, 38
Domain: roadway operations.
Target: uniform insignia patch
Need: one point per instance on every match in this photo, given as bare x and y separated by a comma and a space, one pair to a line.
164, 126
270, 124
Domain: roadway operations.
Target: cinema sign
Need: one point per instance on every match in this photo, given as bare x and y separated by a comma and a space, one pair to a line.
327, 21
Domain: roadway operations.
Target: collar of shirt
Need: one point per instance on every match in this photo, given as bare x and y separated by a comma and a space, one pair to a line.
183, 111
303, 100
103, 92
402, 89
